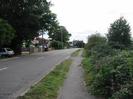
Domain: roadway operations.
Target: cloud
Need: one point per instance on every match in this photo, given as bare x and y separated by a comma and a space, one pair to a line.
82, 16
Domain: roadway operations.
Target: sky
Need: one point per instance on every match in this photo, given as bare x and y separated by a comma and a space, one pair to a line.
85, 17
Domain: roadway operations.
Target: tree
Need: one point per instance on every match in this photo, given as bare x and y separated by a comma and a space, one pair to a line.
95, 39
7, 33
119, 34
59, 34
78, 43
27, 17
57, 44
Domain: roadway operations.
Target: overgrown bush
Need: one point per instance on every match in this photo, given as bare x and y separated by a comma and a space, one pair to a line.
99, 53
110, 63
94, 40
110, 74
126, 92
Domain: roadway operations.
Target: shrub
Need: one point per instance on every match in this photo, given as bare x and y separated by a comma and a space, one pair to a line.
99, 53
114, 72
126, 92
93, 41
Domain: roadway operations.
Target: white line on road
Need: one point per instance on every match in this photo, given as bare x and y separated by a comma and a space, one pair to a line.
3, 68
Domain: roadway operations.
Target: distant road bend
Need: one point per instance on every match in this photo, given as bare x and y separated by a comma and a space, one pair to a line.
16, 75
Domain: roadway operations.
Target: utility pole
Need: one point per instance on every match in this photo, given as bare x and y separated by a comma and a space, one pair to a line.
62, 38
42, 42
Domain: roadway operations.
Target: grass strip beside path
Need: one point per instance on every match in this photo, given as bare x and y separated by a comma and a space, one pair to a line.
76, 53
88, 74
49, 86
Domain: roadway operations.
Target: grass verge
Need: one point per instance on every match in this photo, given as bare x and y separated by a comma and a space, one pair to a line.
88, 75
88, 69
49, 86
76, 53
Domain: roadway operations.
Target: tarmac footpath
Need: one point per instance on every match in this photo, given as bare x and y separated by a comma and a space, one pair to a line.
74, 86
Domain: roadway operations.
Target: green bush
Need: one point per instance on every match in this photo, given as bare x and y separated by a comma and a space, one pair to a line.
113, 73
99, 53
109, 68
126, 92
94, 40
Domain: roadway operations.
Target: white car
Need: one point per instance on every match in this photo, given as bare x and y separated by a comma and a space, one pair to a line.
6, 52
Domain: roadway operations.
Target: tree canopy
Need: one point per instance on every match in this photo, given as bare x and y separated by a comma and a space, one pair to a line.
119, 34
7, 33
27, 17
60, 34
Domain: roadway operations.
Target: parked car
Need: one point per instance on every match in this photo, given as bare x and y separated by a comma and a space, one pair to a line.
6, 52
46, 48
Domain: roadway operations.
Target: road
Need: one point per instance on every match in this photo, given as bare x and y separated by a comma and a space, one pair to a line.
19, 74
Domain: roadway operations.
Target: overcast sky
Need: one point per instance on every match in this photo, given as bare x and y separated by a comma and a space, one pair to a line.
84, 17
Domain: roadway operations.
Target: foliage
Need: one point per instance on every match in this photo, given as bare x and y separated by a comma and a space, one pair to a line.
119, 34
109, 68
126, 92
7, 33
49, 86
98, 52
61, 34
57, 45
94, 40
78, 43
27, 17
110, 74
89, 71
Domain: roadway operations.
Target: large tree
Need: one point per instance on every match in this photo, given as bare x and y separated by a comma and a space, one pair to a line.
27, 17
7, 33
119, 34
59, 35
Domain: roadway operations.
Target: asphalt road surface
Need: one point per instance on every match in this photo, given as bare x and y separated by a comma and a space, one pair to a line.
19, 74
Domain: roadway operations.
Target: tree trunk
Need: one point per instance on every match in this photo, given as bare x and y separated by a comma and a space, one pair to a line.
16, 45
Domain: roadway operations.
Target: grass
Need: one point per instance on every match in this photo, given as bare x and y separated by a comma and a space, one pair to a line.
76, 53
84, 54
49, 86
88, 75
88, 69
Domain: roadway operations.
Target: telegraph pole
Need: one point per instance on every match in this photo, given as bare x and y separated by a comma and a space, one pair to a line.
62, 38
42, 42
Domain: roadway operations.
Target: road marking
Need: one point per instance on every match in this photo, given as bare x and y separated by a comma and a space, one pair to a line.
3, 68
